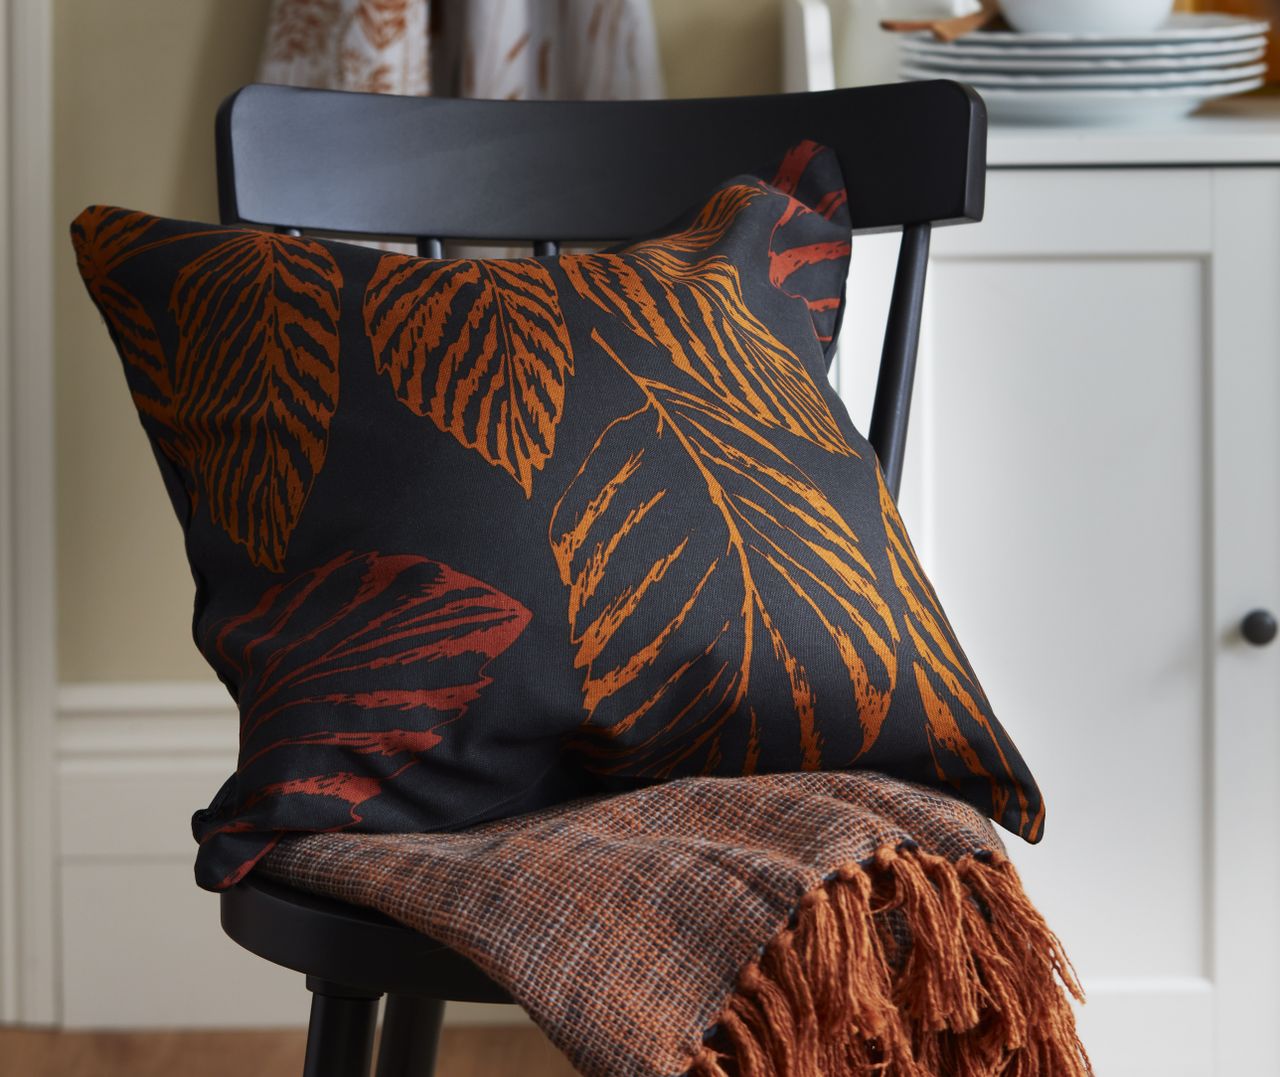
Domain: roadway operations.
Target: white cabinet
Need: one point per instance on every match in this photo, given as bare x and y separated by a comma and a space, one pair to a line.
1093, 477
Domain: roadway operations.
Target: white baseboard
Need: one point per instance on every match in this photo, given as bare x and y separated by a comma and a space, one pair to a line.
140, 944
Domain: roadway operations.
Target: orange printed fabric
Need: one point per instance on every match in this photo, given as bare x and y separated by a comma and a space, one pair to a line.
472, 538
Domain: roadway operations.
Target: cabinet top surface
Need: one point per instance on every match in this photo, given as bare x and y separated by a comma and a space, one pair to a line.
1240, 131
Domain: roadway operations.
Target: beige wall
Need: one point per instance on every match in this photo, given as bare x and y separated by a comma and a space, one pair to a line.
715, 48
136, 86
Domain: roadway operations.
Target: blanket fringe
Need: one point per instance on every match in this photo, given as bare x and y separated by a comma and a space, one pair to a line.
907, 965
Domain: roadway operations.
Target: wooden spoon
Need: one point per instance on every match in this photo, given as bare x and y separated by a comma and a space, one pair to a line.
945, 29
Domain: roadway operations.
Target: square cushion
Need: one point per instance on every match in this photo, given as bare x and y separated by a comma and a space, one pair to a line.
471, 537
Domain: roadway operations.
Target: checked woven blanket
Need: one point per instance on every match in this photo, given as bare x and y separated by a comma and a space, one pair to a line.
799, 925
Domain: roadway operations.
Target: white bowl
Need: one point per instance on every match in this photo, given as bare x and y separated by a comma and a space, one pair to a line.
1085, 16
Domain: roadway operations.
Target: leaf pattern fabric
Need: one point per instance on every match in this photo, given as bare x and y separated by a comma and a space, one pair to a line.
392, 649
474, 537
103, 237
801, 248
480, 348
242, 402
257, 380
372, 46
685, 634
683, 297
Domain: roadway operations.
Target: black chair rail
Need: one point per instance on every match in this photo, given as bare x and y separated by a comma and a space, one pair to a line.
581, 171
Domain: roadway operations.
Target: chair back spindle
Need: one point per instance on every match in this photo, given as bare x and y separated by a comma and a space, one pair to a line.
892, 406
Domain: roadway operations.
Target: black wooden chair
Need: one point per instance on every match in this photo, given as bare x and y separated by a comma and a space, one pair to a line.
320, 162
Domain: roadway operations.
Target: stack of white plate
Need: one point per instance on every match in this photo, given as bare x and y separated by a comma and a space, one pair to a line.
1099, 78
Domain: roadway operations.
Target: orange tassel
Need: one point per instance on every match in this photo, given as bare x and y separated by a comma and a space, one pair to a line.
909, 965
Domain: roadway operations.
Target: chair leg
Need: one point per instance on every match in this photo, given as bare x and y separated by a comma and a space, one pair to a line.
340, 1036
410, 1036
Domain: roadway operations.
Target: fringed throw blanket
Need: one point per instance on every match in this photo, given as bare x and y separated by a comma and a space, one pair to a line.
799, 925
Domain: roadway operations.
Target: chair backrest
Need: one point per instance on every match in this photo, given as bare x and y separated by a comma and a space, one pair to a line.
318, 161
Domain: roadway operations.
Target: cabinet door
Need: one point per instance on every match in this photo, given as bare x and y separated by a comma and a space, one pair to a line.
1097, 521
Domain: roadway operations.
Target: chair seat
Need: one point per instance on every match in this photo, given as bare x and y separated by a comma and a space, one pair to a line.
348, 944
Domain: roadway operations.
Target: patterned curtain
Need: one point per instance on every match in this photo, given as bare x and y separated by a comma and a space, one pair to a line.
512, 49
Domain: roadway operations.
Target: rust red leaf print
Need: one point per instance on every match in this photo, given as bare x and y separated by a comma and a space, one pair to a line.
800, 240
413, 632
348, 674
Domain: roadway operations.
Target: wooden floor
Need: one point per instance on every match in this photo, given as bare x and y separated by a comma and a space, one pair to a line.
482, 1051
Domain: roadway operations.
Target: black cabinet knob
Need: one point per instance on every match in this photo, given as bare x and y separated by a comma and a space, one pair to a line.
1259, 627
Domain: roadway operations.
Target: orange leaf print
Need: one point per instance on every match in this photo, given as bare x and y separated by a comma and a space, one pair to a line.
672, 295
713, 220
770, 551
256, 377
953, 701
480, 348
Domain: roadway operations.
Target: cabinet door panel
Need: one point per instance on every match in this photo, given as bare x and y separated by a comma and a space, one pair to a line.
1077, 479
1063, 528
